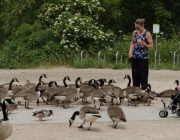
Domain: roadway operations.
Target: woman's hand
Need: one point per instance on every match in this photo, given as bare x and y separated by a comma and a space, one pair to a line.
130, 55
141, 43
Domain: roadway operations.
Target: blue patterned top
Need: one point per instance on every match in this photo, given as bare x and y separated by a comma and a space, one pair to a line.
140, 52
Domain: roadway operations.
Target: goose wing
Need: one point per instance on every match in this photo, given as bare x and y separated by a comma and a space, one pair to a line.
41, 112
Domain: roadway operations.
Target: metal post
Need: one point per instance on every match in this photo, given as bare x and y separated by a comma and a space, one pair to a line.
156, 42
116, 57
117, 53
159, 58
82, 55
174, 59
99, 55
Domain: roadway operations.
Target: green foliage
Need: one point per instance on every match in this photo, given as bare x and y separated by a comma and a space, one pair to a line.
52, 32
75, 23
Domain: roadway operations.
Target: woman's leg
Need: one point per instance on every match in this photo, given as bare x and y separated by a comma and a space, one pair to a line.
144, 71
135, 72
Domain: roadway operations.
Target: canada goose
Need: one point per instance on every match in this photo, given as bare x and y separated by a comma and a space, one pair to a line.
129, 78
46, 93
5, 126
113, 91
134, 93
98, 95
110, 83
29, 85
177, 82
97, 84
168, 92
116, 114
101, 82
10, 107
28, 95
10, 86
74, 85
147, 98
85, 90
42, 114
65, 79
119, 94
7, 92
87, 114
67, 94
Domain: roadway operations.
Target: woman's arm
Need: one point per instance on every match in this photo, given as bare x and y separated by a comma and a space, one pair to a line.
150, 41
131, 46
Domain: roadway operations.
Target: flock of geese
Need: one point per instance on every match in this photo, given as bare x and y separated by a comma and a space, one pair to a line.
100, 92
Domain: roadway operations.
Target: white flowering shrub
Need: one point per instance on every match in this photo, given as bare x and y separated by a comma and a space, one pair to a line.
75, 24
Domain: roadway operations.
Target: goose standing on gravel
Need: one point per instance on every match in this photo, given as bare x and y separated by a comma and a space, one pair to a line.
116, 114
168, 92
29, 85
28, 95
87, 114
66, 94
7, 92
42, 114
85, 91
5, 126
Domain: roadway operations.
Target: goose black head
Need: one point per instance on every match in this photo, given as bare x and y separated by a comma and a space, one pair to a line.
67, 78
8, 101
51, 112
79, 79
176, 82
111, 81
104, 80
43, 76
15, 80
126, 76
52, 83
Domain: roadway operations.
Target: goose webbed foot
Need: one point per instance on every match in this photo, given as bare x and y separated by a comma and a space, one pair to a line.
87, 102
19, 102
37, 102
81, 126
64, 107
99, 107
90, 126
43, 100
29, 107
115, 125
47, 101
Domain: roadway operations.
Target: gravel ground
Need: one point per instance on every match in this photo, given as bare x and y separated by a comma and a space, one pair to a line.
137, 130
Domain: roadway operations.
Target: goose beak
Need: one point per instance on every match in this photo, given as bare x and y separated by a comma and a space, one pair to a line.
70, 123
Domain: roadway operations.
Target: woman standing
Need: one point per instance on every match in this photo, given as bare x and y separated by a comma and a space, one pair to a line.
141, 41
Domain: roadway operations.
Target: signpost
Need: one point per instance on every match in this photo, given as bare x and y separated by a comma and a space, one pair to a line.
156, 30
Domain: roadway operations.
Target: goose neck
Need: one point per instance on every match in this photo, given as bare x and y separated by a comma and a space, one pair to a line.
101, 83
5, 117
76, 83
37, 87
129, 81
74, 115
10, 84
64, 82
